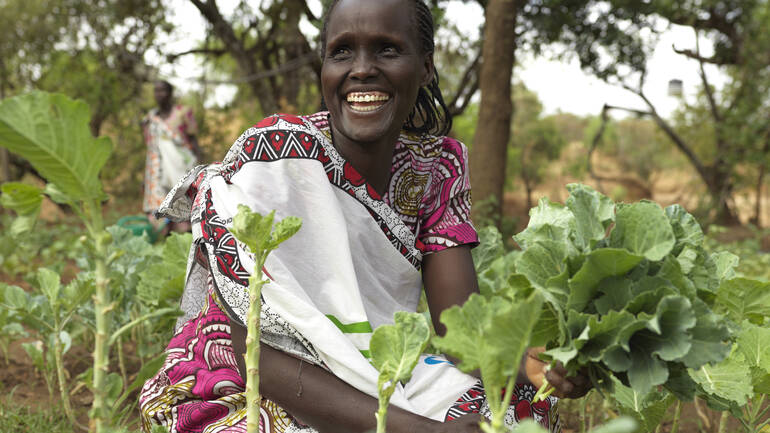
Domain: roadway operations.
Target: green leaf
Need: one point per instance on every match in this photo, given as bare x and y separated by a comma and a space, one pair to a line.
617, 425
490, 248
284, 229
15, 297
50, 283
52, 132
648, 409
646, 370
541, 262
725, 264
25, 200
593, 214
598, 265
396, 348
491, 335
730, 379
465, 332
754, 343
113, 388
743, 299
686, 228
643, 229
252, 228
669, 325
547, 221
616, 294
604, 332
710, 337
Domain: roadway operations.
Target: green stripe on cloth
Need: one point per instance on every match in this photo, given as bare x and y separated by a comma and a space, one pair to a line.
366, 353
351, 328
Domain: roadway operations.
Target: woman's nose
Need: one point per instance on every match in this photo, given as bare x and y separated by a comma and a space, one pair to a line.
363, 66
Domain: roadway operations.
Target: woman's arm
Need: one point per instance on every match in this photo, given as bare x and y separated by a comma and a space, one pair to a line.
318, 398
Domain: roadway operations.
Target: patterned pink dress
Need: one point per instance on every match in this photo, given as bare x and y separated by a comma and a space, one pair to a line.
199, 388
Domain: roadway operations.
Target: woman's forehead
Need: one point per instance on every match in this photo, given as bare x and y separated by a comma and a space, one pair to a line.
379, 11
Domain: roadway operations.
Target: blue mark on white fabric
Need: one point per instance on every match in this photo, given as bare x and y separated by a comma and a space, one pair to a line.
433, 360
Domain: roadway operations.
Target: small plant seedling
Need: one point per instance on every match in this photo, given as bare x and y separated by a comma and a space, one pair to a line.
261, 237
395, 351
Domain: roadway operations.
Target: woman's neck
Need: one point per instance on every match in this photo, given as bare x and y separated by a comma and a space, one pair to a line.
372, 160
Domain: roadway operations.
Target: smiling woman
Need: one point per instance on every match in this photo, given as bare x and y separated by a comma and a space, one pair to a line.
385, 201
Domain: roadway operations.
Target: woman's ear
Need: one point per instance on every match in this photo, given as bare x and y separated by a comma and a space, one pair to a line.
428, 72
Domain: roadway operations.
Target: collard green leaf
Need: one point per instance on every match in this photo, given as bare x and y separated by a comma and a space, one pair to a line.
725, 263
754, 343
593, 213
599, 264
396, 348
730, 379
490, 248
686, 228
743, 299
465, 331
643, 229
52, 132
680, 383
548, 221
489, 334
23, 199
604, 333
541, 262
616, 293
648, 409
710, 337
646, 370
617, 425
670, 325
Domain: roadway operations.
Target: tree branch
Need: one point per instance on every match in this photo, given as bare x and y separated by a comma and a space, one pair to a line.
216, 52
469, 84
693, 55
707, 87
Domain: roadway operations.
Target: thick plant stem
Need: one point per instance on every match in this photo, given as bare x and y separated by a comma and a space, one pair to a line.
677, 416
253, 399
98, 414
122, 361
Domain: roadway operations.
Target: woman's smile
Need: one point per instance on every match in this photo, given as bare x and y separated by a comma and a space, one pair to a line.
364, 102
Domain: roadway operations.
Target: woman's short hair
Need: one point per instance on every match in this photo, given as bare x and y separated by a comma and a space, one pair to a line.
430, 115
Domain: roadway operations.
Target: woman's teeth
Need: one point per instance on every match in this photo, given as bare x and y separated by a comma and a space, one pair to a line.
360, 101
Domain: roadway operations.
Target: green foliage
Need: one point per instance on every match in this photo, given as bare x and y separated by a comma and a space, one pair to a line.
23, 199
491, 334
632, 289
395, 350
257, 232
51, 132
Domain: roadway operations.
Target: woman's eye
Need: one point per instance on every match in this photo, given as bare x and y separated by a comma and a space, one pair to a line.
340, 53
389, 50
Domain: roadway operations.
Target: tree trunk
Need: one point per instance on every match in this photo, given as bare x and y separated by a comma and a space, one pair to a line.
490, 142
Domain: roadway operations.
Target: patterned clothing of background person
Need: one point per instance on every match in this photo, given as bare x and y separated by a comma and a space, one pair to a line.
172, 147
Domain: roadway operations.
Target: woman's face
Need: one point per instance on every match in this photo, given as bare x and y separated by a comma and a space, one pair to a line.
373, 68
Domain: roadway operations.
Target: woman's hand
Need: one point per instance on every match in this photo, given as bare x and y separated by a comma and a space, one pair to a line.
564, 387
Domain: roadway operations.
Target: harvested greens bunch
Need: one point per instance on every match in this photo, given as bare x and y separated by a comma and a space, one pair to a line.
629, 290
